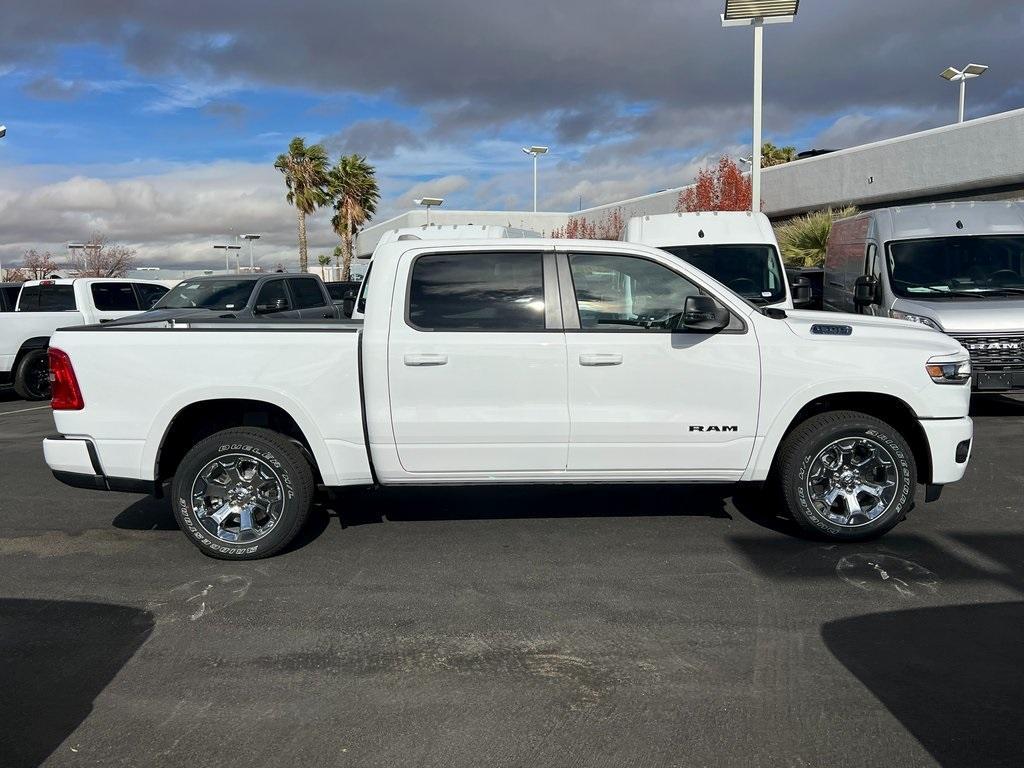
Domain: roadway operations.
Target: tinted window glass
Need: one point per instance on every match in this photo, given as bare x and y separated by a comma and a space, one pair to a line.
477, 291
149, 294
208, 294
47, 298
627, 293
952, 266
306, 293
114, 297
752, 271
10, 297
271, 292
364, 290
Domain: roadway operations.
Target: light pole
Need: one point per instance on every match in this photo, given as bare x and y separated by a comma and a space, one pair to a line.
227, 254
3, 131
961, 76
428, 203
83, 247
250, 237
757, 13
536, 152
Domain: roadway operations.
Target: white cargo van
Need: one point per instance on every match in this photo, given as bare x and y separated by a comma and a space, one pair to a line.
737, 248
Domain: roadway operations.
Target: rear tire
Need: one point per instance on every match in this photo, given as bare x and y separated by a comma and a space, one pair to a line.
847, 476
32, 376
242, 494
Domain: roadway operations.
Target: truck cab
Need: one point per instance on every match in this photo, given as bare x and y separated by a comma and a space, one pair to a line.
954, 267
737, 248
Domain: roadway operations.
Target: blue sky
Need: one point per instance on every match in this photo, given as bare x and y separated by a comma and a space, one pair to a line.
158, 125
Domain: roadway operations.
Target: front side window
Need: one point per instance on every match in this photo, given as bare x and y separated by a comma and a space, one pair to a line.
273, 297
220, 295
47, 298
477, 292
957, 267
306, 292
149, 294
627, 293
114, 297
752, 271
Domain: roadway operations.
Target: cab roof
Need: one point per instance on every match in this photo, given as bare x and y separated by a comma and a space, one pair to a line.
700, 228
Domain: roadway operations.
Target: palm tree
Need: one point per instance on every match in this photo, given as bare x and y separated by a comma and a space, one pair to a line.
352, 184
773, 155
804, 238
305, 174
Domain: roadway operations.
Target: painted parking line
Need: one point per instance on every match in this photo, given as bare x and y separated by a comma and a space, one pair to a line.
25, 410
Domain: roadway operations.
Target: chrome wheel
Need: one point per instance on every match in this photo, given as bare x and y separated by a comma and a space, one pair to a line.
852, 481
237, 498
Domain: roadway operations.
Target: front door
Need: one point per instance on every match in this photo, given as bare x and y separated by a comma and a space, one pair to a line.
642, 396
476, 364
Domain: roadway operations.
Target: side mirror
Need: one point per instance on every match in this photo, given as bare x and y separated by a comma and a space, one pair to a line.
702, 314
277, 305
803, 295
348, 304
865, 291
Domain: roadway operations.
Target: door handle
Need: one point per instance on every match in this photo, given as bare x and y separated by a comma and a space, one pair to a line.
837, 285
425, 360
601, 359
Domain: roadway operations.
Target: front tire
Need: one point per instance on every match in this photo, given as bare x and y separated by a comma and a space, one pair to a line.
32, 376
242, 494
847, 476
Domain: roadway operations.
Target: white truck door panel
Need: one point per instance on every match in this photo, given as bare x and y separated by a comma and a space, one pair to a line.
644, 398
491, 396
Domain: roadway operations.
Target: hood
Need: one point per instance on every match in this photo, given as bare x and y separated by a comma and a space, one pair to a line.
159, 315
887, 333
993, 315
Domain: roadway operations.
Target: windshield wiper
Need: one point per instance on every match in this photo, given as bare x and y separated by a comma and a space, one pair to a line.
941, 291
990, 291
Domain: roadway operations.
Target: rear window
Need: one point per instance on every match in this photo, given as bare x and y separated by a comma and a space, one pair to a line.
477, 291
307, 293
114, 297
47, 298
9, 297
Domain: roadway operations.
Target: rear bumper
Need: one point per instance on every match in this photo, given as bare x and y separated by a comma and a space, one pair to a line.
949, 442
74, 462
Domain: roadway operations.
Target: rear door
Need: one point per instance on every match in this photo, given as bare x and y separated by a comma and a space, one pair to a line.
308, 298
477, 365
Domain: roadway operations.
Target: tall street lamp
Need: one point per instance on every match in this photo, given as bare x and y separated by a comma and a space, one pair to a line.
250, 237
961, 76
428, 203
536, 152
227, 254
83, 247
756, 14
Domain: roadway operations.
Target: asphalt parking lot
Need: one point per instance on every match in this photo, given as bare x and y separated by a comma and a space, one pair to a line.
622, 626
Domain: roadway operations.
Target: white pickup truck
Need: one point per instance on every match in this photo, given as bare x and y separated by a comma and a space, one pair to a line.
45, 305
513, 361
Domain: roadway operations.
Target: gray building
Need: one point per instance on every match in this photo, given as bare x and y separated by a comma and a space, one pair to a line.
977, 159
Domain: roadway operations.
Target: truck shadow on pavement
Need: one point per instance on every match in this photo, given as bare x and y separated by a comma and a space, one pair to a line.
57, 657
952, 675
996, 405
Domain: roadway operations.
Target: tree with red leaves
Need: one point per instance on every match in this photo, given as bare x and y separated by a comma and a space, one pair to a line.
722, 188
579, 228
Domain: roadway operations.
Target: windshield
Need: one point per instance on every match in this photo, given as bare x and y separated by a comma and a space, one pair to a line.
208, 294
752, 271
957, 267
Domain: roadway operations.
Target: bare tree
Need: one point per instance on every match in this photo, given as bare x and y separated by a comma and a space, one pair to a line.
98, 258
36, 265
13, 275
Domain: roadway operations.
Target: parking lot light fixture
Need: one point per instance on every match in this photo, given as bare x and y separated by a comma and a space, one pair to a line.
428, 203
536, 151
756, 14
250, 237
961, 76
3, 131
227, 255
83, 247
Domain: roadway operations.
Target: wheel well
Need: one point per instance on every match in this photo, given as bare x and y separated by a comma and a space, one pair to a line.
888, 408
200, 420
29, 345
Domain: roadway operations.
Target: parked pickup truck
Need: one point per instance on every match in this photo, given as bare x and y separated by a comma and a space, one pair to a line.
513, 361
45, 305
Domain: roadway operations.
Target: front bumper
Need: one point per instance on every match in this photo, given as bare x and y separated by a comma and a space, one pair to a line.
74, 462
949, 442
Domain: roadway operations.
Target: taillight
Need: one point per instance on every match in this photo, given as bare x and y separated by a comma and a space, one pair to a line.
64, 392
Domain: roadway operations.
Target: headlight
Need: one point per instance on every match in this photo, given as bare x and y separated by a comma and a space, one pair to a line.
895, 313
950, 373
